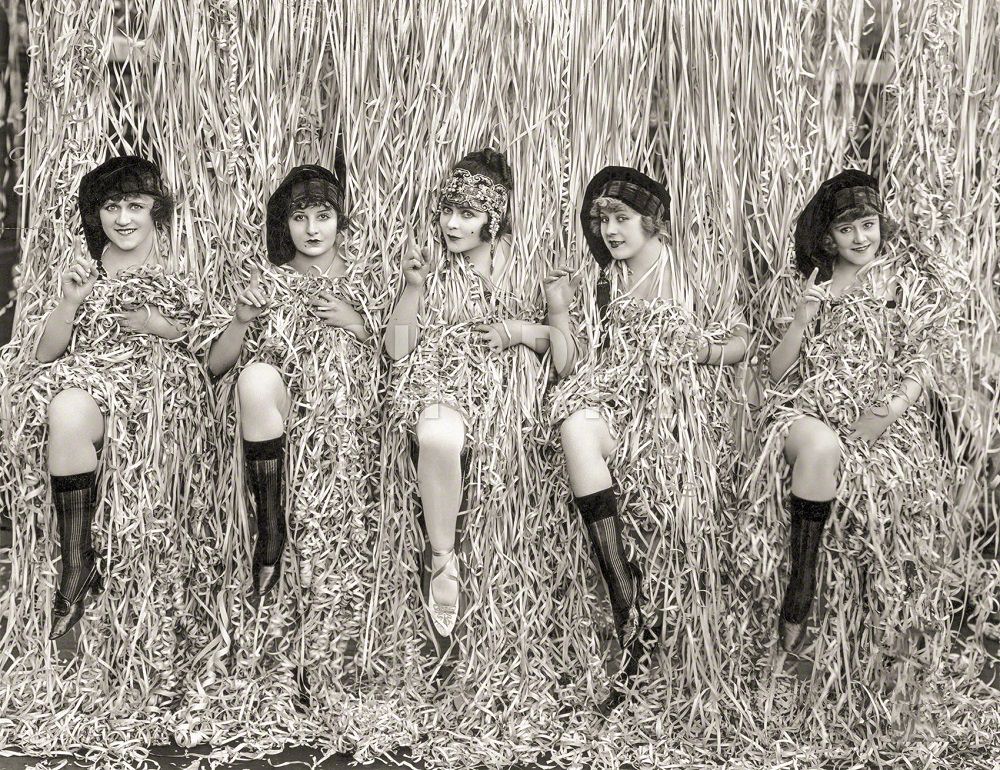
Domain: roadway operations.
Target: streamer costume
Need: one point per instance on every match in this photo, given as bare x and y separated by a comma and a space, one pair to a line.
494, 667
883, 562
130, 535
654, 534
284, 668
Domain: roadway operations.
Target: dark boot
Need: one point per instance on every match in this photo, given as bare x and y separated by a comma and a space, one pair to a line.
265, 470
74, 498
808, 518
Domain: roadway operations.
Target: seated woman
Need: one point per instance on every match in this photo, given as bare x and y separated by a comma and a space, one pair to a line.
847, 423
640, 450
461, 448
112, 372
303, 396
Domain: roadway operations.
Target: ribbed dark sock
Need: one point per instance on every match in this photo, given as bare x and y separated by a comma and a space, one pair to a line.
806, 533
265, 469
74, 501
600, 513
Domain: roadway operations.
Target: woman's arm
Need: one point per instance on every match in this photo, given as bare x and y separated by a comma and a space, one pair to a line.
77, 283
732, 351
401, 330
560, 287
250, 303
57, 332
225, 351
787, 351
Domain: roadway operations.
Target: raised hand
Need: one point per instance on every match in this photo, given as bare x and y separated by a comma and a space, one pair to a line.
560, 288
416, 263
252, 300
79, 280
809, 301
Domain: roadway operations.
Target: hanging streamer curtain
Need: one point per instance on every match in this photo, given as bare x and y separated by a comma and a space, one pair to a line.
741, 109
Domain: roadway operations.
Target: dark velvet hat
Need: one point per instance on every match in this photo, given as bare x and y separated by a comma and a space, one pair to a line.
847, 190
631, 187
116, 176
309, 180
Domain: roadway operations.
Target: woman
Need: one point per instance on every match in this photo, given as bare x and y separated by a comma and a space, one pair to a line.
847, 420
639, 455
121, 391
460, 453
300, 348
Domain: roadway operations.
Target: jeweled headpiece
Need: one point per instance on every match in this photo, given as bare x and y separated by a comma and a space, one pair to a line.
479, 192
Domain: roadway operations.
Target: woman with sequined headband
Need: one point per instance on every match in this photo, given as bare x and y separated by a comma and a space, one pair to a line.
845, 417
304, 370
465, 376
123, 394
629, 416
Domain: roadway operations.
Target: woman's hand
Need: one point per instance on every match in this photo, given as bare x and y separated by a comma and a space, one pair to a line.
332, 311
495, 336
251, 301
79, 280
140, 319
809, 301
560, 289
871, 425
416, 263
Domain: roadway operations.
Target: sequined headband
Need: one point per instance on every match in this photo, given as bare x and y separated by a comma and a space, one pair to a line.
856, 197
639, 198
479, 192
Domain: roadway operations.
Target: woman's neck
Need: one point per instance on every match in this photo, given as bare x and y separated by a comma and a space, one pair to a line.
481, 259
642, 263
845, 275
119, 260
314, 265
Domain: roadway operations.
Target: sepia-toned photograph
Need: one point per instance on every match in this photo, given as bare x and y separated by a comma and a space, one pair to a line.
518, 385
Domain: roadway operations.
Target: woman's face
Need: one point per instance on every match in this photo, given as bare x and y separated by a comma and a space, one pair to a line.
623, 233
857, 242
461, 227
313, 229
128, 223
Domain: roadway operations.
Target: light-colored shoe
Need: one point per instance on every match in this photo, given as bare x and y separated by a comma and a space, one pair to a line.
443, 616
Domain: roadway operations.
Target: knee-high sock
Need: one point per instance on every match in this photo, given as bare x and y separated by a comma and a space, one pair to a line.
74, 500
265, 469
808, 519
600, 513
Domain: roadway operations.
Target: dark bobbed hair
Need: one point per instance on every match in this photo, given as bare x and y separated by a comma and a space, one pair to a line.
116, 179
303, 186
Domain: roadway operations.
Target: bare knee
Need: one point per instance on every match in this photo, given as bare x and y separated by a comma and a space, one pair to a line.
585, 430
814, 443
440, 431
260, 386
74, 412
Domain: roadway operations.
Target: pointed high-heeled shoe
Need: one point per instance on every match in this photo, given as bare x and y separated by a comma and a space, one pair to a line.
67, 613
443, 616
265, 577
791, 636
631, 629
